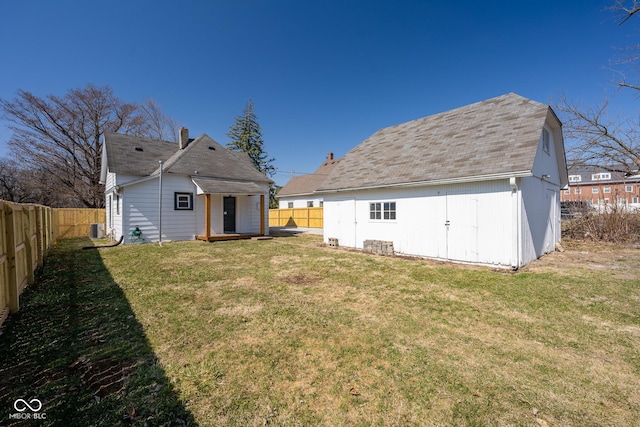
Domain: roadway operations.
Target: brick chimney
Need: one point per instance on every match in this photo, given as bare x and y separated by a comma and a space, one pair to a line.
183, 137
330, 156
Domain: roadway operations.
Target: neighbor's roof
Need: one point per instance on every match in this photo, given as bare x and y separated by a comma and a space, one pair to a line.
203, 157
307, 184
616, 174
493, 137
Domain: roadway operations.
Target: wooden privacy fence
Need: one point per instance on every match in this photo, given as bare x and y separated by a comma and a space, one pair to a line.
27, 233
25, 238
296, 217
72, 222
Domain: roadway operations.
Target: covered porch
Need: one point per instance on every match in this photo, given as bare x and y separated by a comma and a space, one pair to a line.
237, 209
228, 236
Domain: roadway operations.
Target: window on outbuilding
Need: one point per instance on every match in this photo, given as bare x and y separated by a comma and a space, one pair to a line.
290, 205
384, 211
375, 211
183, 201
546, 141
310, 204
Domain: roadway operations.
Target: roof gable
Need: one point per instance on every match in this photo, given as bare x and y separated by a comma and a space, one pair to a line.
307, 184
496, 136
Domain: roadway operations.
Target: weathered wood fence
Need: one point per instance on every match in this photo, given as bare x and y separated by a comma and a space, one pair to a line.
296, 217
27, 233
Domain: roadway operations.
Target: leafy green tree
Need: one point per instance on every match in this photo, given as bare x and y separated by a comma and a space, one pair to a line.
246, 135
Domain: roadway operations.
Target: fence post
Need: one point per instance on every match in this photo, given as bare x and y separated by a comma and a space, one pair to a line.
26, 233
14, 292
40, 235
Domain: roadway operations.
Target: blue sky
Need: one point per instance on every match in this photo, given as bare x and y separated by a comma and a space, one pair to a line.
324, 75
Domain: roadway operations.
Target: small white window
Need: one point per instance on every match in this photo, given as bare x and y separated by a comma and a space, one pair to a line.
606, 190
567, 191
290, 205
604, 176
546, 141
575, 178
384, 211
628, 188
577, 191
594, 190
183, 201
635, 199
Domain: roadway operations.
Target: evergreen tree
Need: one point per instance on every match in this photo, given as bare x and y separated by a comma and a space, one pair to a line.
246, 135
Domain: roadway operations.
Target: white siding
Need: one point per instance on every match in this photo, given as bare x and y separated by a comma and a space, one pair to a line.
110, 182
248, 214
540, 218
140, 209
479, 215
113, 208
540, 209
299, 202
546, 163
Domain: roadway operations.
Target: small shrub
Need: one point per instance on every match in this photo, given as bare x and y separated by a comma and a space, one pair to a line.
612, 223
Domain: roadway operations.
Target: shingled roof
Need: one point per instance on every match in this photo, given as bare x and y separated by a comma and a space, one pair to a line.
202, 157
494, 137
307, 184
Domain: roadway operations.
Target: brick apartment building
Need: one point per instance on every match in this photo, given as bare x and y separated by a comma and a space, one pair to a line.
599, 187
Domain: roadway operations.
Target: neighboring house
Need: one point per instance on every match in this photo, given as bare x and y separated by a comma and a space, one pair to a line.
299, 192
601, 187
207, 190
478, 184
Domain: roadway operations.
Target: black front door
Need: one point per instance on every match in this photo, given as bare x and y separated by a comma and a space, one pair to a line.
229, 214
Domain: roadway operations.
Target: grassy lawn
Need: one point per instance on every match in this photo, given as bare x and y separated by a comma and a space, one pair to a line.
289, 332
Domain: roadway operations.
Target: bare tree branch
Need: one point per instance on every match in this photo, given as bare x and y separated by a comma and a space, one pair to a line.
61, 136
625, 11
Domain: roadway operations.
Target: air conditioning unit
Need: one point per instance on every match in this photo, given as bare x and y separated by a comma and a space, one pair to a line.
97, 231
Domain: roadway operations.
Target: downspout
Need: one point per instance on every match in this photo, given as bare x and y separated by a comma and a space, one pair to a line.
515, 228
160, 205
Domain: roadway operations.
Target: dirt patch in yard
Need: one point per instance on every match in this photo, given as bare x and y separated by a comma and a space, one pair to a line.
622, 261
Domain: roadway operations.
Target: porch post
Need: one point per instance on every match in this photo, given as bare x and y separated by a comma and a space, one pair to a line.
207, 215
262, 214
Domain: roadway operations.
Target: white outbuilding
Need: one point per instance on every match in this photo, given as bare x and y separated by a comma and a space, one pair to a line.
477, 184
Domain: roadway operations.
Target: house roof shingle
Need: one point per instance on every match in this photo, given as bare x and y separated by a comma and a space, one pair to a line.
307, 184
586, 174
202, 157
496, 136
